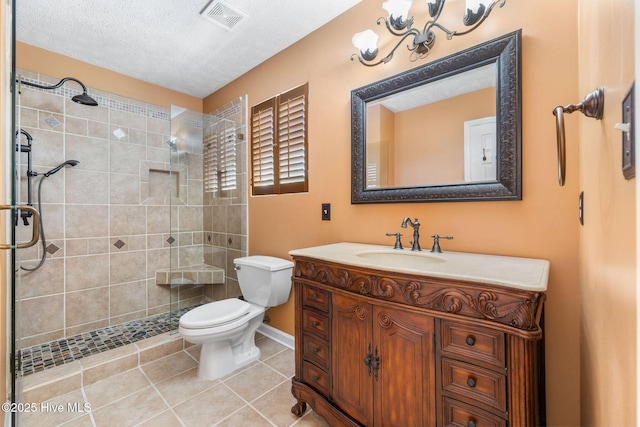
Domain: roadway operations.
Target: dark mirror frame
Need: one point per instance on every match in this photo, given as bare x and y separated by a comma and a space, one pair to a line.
505, 51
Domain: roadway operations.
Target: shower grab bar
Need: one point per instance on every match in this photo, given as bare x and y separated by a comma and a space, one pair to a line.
35, 235
591, 106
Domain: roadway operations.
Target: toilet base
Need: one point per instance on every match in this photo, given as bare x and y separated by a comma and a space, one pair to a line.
218, 360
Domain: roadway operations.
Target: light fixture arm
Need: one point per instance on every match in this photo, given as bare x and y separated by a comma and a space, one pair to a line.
424, 40
389, 56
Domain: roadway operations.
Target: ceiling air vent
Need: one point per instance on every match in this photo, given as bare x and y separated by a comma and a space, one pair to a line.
223, 14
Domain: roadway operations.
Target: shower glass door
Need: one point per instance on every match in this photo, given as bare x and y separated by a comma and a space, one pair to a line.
185, 195
208, 194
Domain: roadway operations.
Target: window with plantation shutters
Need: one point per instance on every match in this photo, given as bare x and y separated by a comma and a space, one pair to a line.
220, 169
279, 143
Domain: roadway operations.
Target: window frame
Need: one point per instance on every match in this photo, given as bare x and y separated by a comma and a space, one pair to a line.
266, 177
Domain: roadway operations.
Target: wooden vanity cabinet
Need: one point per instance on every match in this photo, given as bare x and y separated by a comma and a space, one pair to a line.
376, 348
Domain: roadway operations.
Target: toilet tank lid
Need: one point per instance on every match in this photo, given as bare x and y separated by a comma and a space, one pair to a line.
264, 262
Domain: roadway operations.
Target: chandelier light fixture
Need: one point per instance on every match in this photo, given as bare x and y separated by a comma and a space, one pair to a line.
401, 25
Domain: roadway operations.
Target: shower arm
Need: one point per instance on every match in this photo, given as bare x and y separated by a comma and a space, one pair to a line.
55, 86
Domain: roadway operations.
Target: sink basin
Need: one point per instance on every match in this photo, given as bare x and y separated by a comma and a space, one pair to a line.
401, 259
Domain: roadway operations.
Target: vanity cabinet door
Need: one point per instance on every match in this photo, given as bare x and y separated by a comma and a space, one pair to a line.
350, 345
383, 364
404, 382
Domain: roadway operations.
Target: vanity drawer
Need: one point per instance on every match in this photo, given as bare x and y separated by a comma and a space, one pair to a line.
316, 298
315, 350
315, 323
473, 382
315, 377
473, 342
459, 414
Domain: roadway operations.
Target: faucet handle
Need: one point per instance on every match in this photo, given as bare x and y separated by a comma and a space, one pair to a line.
398, 244
436, 242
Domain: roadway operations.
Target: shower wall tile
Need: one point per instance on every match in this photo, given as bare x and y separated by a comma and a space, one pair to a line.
41, 315
190, 218
41, 100
127, 119
86, 221
158, 218
125, 158
158, 126
158, 140
76, 126
47, 149
137, 136
51, 121
157, 259
98, 246
127, 298
98, 130
127, 267
29, 117
125, 220
85, 327
86, 272
53, 220
41, 282
158, 154
92, 153
86, 187
124, 189
86, 306
98, 113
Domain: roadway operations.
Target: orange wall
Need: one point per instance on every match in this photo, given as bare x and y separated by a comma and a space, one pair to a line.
543, 225
607, 240
31, 58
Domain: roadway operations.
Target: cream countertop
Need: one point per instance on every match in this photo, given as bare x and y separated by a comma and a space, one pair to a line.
512, 272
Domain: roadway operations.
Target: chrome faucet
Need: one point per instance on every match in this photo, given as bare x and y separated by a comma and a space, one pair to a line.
415, 245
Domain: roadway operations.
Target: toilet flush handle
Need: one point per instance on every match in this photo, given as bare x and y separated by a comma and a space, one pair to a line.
236, 267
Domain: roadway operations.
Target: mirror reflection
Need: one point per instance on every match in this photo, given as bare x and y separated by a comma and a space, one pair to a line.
443, 132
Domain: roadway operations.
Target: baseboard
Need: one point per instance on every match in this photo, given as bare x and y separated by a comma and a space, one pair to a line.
277, 335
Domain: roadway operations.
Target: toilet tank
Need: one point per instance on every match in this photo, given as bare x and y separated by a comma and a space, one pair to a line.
264, 280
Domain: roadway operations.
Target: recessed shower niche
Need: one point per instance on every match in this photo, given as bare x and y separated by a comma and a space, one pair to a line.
163, 183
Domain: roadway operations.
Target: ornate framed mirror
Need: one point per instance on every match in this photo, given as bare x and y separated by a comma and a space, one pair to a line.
449, 130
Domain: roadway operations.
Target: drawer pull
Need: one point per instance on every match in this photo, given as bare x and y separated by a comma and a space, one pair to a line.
315, 379
315, 350
471, 382
471, 423
471, 341
314, 296
314, 324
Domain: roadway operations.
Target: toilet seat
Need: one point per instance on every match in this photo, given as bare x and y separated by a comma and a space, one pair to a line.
215, 314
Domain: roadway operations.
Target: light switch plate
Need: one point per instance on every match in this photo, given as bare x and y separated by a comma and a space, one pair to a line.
326, 211
628, 138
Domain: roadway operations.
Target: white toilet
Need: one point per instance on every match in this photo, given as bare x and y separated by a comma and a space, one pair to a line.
226, 329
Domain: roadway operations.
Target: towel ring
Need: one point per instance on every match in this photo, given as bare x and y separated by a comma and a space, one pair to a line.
591, 106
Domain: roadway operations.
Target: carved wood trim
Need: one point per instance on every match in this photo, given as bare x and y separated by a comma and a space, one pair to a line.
518, 309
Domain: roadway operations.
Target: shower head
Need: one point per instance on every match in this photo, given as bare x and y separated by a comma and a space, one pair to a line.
83, 98
60, 166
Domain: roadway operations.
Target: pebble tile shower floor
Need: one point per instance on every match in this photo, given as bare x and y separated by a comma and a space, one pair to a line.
39, 357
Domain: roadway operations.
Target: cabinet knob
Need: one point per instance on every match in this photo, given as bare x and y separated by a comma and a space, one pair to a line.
471, 423
315, 379
471, 341
314, 296
471, 382
314, 324
315, 350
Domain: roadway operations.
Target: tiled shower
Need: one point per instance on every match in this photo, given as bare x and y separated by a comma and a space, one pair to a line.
136, 228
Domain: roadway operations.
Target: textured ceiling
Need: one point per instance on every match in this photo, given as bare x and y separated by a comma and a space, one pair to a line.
167, 42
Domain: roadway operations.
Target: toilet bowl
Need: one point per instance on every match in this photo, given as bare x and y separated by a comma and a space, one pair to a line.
226, 329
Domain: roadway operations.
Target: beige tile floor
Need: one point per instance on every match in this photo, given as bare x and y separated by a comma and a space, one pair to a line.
167, 392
